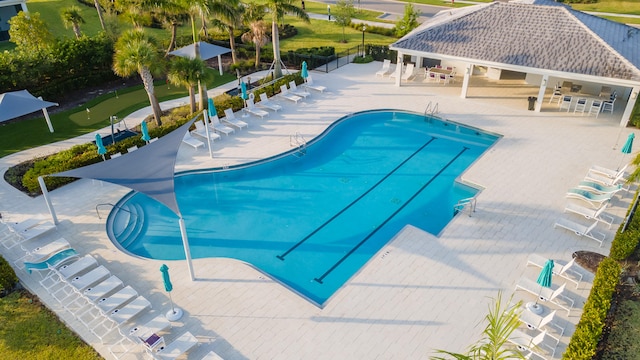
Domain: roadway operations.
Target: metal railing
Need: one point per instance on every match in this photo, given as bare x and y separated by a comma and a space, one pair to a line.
468, 202
297, 140
113, 206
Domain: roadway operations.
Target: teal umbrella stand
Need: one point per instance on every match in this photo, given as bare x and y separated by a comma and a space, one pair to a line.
175, 313
544, 280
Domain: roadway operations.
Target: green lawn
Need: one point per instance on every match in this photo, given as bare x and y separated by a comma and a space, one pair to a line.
29, 331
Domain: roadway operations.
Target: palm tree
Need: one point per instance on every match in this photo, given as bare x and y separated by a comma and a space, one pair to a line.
254, 18
135, 52
501, 322
277, 9
197, 8
228, 16
188, 72
99, 10
72, 16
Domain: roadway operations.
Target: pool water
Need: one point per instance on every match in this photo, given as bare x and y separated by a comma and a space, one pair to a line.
313, 217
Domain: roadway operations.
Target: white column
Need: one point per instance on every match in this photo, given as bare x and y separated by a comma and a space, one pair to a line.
220, 64
468, 71
543, 89
45, 195
185, 244
206, 130
632, 101
399, 69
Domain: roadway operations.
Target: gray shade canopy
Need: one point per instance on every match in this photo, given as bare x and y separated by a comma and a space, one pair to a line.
17, 103
207, 51
148, 170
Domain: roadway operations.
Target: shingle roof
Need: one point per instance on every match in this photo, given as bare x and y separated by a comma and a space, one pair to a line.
543, 35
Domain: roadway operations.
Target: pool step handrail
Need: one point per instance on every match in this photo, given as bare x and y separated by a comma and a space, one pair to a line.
471, 202
112, 205
431, 109
300, 142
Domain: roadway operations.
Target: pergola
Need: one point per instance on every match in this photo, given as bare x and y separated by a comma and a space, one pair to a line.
207, 51
546, 40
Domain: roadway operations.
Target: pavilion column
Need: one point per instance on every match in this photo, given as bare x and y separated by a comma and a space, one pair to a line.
399, 68
630, 104
468, 71
220, 64
543, 89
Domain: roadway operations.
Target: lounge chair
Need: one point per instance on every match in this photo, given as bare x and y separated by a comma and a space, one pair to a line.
103, 289
92, 277
230, 119
311, 85
11, 236
191, 141
285, 94
252, 109
407, 74
211, 355
596, 200
268, 104
385, 69
35, 231
52, 261
533, 344
41, 253
582, 230
604, 180
156, 325
600, 170
129, 311
536, 322
293, 88
597, 214
177, 347
81, 265
217, 126
562, 271
600, 188
201, 131
114, 301
546, 294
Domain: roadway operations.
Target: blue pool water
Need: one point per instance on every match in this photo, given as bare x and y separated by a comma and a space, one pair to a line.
312, 218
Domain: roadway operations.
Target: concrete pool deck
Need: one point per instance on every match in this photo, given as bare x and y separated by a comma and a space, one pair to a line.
420, 292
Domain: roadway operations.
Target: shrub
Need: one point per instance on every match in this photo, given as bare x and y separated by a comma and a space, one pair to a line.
625, 243
374, 29
363, 59
8, 278
585, 339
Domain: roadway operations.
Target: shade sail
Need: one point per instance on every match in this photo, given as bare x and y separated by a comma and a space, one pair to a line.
207, 51
149, 170
17, 103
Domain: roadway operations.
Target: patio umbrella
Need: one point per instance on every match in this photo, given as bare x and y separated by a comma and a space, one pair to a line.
145, 131
628, 146
175, 313
304, 72
243, 87
101, 149
211, 108
544, 280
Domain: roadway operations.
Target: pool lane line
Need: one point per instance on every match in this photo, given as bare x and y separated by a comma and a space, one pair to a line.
321, 278
281, 256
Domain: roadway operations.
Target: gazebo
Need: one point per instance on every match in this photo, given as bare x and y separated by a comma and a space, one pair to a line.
548, 41
207, 51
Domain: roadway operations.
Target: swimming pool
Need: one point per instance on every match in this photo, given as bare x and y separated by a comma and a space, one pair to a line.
313, 217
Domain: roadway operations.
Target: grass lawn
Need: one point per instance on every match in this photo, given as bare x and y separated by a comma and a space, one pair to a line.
29, 331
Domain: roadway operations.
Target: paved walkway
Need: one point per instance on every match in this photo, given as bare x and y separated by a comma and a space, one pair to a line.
420, 292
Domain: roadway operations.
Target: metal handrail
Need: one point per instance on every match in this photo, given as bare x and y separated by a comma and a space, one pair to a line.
463, 203
112, 205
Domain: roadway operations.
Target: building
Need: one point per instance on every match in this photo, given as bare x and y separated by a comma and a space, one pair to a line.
9, 9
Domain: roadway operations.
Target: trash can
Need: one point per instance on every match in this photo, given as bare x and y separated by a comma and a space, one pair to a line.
532, 102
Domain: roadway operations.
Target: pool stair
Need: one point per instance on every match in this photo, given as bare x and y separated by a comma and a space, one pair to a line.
297, 140
126, 224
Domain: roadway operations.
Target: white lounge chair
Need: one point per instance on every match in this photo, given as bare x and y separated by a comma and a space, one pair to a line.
114, 301
177, 347
252, 109
385, 69
83, 264
408, 72
596, 200
597, 214
11, 236
53, 261
605, 180
600, 188
533, 344
129, 311
610, 173
293, 88
191, 141
156, 325
285, 94
268, 104
546, 294
35, 231
217, 126
230, 119
534, 321
562, 271
103, 289
92, 277
582, 230
313, 86
44, 252
201, 131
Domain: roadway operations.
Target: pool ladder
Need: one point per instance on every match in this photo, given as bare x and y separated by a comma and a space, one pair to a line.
298, 141
431, 110
471, 202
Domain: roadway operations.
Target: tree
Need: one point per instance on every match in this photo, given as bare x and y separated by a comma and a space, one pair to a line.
277, 9
344, 11
409, 21
99, 10
30, 33
188, 72
72, 16
197, 8
134, 52
254, 19
501, 322
227, 16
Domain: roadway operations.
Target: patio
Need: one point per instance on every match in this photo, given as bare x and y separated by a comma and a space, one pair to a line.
420, 292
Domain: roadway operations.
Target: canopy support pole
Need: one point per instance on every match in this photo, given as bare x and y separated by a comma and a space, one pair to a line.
541, 91
46, 116
185, 244
220, 64
206, 129
45, 195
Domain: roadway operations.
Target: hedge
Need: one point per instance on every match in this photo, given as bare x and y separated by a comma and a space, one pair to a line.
584, 342
8, 278
625, 243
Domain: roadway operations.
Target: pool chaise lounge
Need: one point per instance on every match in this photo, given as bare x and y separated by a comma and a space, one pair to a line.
562, 271
217, 126
596, 200
176, 348
597, 214
252, 109
385, 69
191, 141
582, 230
534, 321
230, 119
201, 131
604, 180
313, 86
293, 88
546, 294
286, 94
53, 261
531, 344
599, 188
268, 104
603, 171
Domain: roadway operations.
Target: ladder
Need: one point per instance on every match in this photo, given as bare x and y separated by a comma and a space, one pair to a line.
463, 203
431, 109
298, 141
